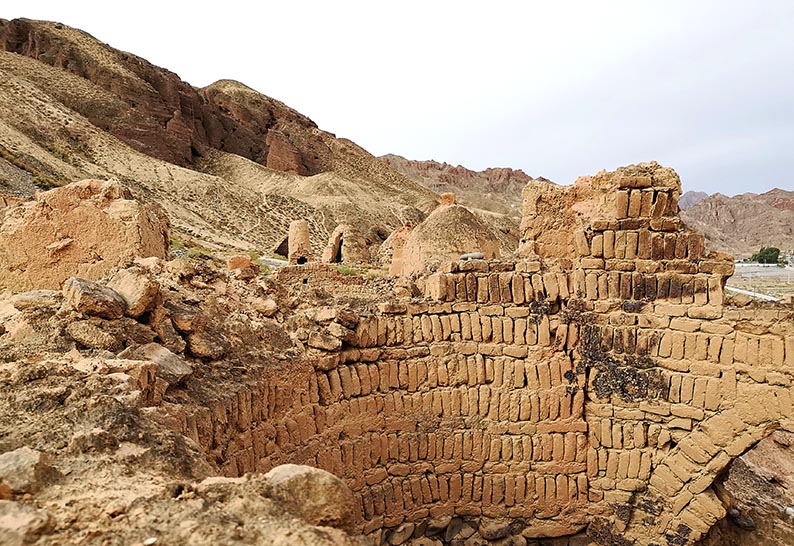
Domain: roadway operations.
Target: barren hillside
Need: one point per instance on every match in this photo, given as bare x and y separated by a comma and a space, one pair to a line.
494, 189
744, 223
231, 166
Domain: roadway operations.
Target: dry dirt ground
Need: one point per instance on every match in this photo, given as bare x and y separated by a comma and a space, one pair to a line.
113, 471
770, 280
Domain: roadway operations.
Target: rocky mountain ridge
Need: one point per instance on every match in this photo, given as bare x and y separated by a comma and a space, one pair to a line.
496, 189
691, 198
744, 223
232, 167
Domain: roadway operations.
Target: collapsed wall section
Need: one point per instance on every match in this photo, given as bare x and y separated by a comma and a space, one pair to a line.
436, 410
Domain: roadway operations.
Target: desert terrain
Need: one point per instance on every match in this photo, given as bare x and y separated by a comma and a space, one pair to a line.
221, 324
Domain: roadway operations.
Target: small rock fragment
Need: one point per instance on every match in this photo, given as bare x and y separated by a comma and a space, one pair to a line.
400, 534
170, 367
137, 288
92, 298
90, 335
316, 496
25, 470
37, 299
324, 341
741, 520
267, 307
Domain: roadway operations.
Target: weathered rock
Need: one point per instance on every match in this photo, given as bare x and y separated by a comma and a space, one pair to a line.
170, 367
316, 496
447, 199
138, 289
96, 439
458, 529
21, 523
519, 540
92, 298
163, 326
347, 318
266, 306
129, 331
346, 335
400, 534
324, 341
491, 530
437, 525
206, 344
25, 470
241, 267
37, 299
238, 261
390, 252
88, 334
185, 317
425, 541
82, 229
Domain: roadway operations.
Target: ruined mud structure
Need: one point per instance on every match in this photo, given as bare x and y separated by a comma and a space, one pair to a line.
589, 391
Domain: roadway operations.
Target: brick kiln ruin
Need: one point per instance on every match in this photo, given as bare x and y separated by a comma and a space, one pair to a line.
600, 384
588, 392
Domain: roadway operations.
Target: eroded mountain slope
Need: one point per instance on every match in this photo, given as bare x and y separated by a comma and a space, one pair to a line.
72, 108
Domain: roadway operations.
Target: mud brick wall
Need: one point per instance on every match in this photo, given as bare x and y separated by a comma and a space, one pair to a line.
598, 386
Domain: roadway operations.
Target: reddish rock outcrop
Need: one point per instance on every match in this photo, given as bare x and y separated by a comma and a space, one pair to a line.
157, 113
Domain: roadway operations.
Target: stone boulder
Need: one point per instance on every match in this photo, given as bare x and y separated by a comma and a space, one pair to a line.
25, 470
138, 289
92, 298
447, 233
82, 229
316, 496
170, 367
22, 524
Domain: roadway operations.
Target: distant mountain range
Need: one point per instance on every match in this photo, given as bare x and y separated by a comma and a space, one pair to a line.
742, 224
691, 198
494, 189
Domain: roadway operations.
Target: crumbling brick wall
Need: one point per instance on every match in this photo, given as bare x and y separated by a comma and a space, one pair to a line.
599, 384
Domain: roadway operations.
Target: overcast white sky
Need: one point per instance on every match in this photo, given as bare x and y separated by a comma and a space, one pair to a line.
558, 89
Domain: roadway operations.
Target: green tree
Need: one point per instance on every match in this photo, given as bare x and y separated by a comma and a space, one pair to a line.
767, 255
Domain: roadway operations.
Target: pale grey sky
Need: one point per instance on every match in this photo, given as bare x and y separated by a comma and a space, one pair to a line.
558, 89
